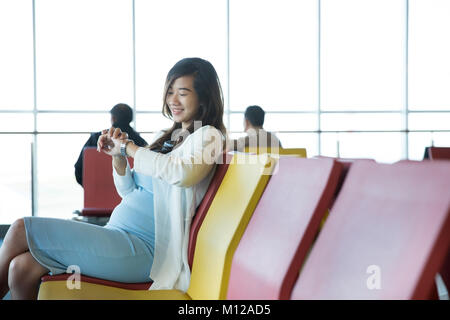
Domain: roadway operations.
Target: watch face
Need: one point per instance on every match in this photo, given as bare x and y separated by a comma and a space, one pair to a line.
123, 150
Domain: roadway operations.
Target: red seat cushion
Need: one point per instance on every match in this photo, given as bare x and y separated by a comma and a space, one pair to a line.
83, 278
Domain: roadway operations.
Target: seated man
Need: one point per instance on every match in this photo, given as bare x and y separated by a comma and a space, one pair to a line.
256, 137
121, 116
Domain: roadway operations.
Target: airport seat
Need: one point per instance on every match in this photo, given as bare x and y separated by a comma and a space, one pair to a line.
195, 226
282, 228
386, 237
299, 152
217, 240
203, 208
346, 164
439, 153
442, 153
100, 195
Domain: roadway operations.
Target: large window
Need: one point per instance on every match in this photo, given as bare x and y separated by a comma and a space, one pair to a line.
362, 54
429, 52
273, 54
348, 78
167, 31
15, 181
16, 55
84, 54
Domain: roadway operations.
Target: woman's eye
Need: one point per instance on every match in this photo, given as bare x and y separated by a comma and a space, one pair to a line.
183, 94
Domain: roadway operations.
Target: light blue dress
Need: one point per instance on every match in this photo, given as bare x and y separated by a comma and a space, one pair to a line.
120, 251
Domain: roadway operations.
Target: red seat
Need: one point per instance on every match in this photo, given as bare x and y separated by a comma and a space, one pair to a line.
195, 226
442, 153
100, 195
436, 153
386, 237
282, 228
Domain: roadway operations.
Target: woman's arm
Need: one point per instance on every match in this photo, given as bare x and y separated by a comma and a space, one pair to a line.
123, 180
187, 166
109, 143
119, 164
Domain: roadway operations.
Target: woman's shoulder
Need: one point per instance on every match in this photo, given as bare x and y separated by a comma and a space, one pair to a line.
208, 128
206, 131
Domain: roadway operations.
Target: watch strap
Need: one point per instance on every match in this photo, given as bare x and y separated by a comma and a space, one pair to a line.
123, 147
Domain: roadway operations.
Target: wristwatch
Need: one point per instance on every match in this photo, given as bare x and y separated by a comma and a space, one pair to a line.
123, 147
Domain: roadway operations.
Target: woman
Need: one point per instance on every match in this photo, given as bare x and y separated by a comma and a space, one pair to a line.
147, 235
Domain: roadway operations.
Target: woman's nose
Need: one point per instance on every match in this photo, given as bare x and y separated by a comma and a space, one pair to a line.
172, 99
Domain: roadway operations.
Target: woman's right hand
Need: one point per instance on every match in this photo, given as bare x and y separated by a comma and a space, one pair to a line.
109, 141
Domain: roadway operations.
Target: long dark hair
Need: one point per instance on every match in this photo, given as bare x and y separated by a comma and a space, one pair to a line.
210, 97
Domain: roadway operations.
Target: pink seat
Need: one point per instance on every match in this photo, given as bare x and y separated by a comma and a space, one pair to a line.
386, 237
442, 153
282, 228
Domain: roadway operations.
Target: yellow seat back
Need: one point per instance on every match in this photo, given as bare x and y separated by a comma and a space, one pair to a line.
225, 222
299, 152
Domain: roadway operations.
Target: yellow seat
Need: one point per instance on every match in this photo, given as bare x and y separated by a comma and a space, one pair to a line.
276, 152
217, 240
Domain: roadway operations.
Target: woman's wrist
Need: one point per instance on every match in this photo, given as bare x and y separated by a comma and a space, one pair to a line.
118, 157
120, 164
131, 149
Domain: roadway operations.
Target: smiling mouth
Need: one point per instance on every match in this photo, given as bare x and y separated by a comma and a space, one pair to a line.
177, 111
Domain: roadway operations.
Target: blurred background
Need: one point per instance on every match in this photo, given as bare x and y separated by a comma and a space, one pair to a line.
348, 78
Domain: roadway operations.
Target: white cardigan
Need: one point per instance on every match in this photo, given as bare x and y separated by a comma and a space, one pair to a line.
180, 180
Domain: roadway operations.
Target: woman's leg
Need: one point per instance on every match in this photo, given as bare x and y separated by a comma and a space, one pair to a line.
99, 252
14, 244
24, 277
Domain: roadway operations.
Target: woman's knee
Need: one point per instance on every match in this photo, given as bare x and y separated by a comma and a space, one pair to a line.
16, 236
24, 268
17, 228
18, 270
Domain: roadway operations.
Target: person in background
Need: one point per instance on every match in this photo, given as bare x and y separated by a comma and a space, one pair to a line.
256, 136
121, 116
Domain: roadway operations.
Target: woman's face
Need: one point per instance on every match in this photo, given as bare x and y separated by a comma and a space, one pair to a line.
183, 100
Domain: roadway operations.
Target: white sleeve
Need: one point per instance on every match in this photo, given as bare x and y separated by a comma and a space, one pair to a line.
124, 184
186, 167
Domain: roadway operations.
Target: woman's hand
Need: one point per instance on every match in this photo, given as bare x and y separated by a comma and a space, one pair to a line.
109, 141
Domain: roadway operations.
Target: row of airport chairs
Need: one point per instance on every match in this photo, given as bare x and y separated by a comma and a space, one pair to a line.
257, 233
